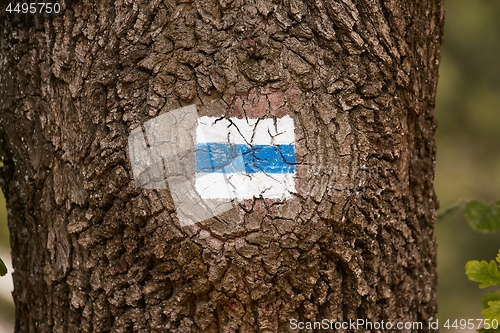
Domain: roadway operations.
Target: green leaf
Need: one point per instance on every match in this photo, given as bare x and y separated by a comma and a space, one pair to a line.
490, 297
498, 256
493, 311
3, 268
482, 216
485, 273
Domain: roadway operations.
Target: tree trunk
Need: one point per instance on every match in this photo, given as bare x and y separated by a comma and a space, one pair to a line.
94, 252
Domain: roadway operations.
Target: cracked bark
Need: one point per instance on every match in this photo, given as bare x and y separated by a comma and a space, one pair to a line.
94, 253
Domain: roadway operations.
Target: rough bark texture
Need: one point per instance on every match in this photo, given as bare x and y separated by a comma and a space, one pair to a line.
92, 252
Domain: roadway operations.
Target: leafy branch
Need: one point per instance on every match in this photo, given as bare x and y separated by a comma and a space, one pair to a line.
487, 275
485, 218
481, 216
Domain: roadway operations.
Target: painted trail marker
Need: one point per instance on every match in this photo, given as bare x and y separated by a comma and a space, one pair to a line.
245, 158
208, 162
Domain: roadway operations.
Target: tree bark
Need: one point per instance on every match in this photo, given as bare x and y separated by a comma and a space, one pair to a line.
93, 252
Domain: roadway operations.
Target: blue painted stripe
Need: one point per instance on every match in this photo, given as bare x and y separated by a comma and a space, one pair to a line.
241, 158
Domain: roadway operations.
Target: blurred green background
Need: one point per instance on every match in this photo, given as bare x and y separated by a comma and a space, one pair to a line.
468, 143
468, 158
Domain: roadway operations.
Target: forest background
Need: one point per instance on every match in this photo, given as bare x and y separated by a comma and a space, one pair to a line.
468, 155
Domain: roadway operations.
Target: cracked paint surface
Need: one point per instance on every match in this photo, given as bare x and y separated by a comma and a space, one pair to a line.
245, 158
162, 152
209, 161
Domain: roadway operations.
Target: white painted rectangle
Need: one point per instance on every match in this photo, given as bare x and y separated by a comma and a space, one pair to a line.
245, 186
251, 131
